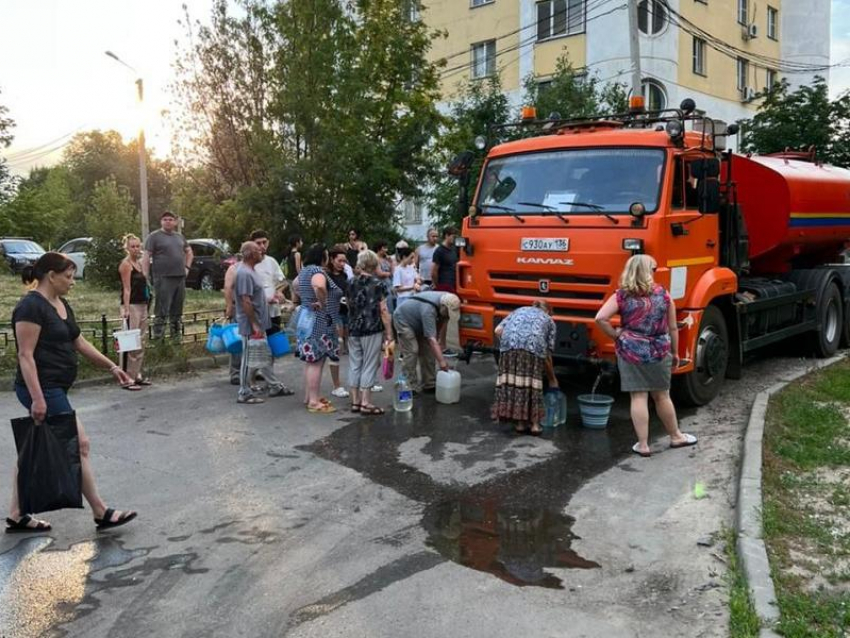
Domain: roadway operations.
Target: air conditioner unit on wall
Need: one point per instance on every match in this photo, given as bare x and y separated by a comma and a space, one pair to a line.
751, 31
748, 94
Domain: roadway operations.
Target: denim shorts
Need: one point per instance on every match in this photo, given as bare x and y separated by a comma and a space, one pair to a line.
55, 398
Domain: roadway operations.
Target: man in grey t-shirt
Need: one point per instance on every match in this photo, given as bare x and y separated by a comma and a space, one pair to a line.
167, 260
419, 323
252, 315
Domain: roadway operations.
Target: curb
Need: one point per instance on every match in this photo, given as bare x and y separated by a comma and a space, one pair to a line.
750, 544
198, 363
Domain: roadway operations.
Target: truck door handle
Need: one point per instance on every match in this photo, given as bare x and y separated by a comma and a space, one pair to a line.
711, 243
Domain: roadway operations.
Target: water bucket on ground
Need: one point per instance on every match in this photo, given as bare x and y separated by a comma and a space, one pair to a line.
232, 339
595, 410
555, 403
279, 344
448, 386
128, 340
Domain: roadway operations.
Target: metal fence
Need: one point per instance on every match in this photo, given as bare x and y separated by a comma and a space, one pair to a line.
194, 327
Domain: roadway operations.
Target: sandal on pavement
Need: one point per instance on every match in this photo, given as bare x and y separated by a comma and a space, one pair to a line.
282, 392
636, 449
520, 429
325, 409
251, 400
106, 522
536, 431
690, 440
371, 410
132, 387
141, 381
355, 407
22, 525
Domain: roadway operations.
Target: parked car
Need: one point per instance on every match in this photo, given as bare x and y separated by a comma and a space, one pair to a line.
211, 261
76, 252
19, 252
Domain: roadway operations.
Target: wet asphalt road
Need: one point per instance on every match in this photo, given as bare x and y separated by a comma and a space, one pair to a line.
268, 521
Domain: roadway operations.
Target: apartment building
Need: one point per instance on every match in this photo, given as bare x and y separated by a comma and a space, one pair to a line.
721, 53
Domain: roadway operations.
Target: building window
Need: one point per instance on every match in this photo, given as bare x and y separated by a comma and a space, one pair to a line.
772, 21
484, 59
478, 3
772, 79
412, 212
742, 12
559, 17
652, 16
655, 95
743, 70
699, 57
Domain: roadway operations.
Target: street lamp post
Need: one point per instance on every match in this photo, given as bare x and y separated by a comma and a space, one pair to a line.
143, 169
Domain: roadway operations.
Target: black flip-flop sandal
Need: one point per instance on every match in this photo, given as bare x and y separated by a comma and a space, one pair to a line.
355, 407
143, 382
22, 526
371, 410
106, 522
132, 387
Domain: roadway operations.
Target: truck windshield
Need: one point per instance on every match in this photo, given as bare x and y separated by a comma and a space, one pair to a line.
572, 182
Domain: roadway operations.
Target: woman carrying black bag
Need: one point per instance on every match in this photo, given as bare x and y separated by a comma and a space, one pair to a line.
48, 341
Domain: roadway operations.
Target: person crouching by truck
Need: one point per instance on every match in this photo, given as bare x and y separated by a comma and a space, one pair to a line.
526, 343
421, 324
647, 343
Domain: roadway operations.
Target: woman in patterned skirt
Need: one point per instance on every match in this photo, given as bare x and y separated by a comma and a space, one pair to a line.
647, 344
526, 342
320, 295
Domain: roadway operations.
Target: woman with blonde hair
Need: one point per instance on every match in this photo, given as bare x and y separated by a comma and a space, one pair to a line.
647, 344
135, 301
526, 343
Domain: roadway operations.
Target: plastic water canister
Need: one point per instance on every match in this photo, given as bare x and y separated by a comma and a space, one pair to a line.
555, 404
448, 386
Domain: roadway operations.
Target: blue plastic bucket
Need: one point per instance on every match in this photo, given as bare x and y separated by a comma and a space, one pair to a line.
279, 344
232, 339
595, 410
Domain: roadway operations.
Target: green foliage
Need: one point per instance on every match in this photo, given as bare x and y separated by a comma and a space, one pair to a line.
481, 104
308, 115
743, 620
112, 216
799, 120
571, 94
7, 181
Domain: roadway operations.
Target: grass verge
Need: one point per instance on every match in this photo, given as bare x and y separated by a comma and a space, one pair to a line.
806, 514
743, 621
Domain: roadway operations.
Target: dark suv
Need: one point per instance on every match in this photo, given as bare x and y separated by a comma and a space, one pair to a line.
19, 252
211, 261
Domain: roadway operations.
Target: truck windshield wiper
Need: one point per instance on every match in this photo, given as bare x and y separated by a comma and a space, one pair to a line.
593, 207
551, 209
508, 210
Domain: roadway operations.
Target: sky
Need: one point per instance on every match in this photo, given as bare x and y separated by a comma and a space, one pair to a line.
56, 79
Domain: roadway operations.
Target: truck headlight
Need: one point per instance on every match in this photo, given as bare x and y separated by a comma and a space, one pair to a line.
633, 245
471, 320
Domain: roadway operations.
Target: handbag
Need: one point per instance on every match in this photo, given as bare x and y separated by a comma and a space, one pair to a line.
49, 469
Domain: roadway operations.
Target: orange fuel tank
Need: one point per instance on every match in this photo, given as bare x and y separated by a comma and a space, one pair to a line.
797, 212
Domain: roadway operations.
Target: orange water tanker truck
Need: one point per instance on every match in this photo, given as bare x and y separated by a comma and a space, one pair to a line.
749, 247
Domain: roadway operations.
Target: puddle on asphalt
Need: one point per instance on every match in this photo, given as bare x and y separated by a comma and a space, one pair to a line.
510, 523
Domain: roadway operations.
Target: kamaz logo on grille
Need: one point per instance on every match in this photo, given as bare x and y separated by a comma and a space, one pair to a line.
544, 261
543, 285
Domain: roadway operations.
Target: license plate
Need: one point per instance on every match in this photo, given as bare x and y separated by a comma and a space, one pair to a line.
545, 244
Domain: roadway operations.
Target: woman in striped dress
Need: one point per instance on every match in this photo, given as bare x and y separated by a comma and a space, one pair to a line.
647, 345
320, 295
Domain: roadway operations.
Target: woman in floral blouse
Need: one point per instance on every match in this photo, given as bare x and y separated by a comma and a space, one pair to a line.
647, 345
526, 342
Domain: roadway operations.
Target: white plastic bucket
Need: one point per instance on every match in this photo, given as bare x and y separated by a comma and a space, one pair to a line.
128, 340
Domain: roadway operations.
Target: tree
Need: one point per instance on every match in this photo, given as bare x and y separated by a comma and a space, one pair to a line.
480, 105
112, 216
7, 181
571, 94
798, 120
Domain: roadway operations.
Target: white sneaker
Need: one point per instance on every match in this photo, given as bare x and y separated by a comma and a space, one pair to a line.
340, 392
377, 388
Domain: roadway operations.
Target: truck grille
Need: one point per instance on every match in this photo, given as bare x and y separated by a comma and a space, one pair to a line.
592, 280
572, 296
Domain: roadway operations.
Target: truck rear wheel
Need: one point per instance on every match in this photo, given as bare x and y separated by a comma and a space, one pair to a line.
830, 322
710, 361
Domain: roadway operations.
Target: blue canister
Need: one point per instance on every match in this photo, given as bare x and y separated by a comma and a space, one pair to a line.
555, 404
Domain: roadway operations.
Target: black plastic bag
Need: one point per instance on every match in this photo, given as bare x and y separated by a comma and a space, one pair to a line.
49, 469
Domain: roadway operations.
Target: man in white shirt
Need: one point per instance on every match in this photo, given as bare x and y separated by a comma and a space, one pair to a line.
271, 274
424, 254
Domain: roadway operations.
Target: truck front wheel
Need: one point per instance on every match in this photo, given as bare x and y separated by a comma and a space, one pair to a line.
710, 361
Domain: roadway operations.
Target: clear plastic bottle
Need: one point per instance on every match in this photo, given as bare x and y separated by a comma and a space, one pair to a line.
402, 395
